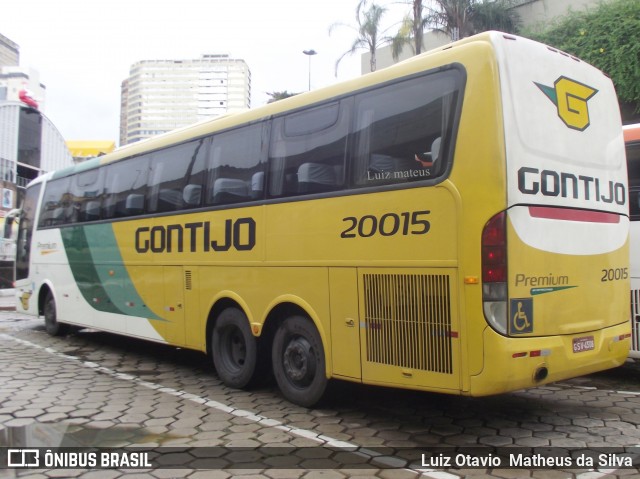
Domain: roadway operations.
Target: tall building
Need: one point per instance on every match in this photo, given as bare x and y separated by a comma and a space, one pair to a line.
30, 144
162, 95
9, 52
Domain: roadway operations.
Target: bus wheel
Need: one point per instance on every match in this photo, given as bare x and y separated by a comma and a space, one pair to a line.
234, 349
298, 361
51, 324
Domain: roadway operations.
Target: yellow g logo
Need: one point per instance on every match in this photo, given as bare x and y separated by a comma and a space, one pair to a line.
570, 97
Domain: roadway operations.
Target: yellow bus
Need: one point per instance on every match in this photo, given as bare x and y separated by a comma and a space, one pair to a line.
456, 223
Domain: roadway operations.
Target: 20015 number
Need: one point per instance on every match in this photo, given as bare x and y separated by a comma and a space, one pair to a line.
614, 274
389, 224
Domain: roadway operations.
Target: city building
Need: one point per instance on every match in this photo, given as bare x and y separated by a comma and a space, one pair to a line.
22, 85
538, 13
162, 95
9, 52
30, 144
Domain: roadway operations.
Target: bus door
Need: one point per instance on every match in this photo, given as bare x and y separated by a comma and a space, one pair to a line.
409, 327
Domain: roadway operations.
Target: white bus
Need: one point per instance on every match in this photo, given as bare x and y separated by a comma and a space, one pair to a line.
632, 144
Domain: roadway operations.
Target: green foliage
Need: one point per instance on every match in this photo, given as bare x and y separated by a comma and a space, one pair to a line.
607, 37
495, 15
455, 18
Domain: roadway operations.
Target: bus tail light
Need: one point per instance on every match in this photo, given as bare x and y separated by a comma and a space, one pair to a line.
494, 272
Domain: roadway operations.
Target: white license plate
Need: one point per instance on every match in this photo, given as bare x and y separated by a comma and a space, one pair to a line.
585, 343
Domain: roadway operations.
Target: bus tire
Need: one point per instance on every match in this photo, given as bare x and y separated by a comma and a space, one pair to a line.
234, 349
299, 362
51, 324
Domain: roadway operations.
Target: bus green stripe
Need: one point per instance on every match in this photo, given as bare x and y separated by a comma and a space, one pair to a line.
98, 269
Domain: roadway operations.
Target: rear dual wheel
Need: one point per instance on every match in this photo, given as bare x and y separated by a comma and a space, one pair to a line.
298, 361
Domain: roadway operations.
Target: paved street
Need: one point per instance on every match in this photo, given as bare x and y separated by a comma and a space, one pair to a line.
95, 389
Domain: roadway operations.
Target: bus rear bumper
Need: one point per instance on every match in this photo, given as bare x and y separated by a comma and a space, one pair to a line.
519, 363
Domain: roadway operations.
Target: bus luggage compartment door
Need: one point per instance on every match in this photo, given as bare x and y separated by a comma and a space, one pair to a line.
410, 328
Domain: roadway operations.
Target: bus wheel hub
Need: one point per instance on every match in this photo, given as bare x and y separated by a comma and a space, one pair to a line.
298, 360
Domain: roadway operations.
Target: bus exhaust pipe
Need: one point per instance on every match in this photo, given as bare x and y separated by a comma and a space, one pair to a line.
540, 374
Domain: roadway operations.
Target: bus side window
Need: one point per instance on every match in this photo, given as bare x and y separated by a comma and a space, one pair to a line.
170, 170
403, 129
123, 179
236, 165
308, 150
57, 206
86, 189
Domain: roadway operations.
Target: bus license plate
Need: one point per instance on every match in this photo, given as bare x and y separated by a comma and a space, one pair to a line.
585, 343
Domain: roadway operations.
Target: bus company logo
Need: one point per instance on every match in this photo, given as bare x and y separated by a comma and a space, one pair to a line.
24, 299
570, 97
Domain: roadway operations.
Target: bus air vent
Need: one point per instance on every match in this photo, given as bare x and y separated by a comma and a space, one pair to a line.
187, 280
408, 321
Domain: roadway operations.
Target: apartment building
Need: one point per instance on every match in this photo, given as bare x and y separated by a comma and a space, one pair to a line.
9, 52
162, 95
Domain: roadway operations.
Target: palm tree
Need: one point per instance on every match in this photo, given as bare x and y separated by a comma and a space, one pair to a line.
455, 18
411, 30
369, 34
452, 17
494, 15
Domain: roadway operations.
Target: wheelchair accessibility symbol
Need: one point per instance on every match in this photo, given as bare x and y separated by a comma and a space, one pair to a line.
520, 315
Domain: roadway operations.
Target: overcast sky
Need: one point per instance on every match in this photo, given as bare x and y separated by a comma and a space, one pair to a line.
83, 49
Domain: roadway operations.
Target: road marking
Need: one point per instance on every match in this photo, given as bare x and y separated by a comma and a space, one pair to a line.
322, 439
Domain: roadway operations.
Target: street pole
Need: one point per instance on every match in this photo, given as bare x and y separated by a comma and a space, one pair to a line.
310, 53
